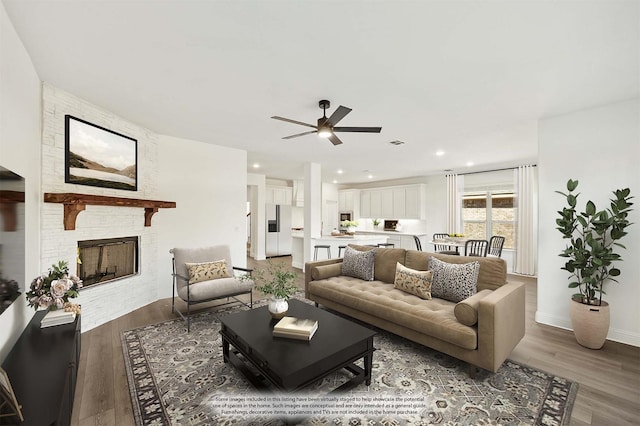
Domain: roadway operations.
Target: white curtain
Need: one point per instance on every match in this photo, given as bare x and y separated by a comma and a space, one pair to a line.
455, 183
527, 220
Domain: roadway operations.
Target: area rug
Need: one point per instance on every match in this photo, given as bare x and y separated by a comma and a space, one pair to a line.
179, 378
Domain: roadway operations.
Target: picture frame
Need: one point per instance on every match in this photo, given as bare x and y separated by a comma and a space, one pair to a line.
8, 398
97, 156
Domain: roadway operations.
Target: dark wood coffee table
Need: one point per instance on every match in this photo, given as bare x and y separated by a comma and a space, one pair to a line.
290, 364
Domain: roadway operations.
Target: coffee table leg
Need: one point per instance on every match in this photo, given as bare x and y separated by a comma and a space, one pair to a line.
368, 365
225, 350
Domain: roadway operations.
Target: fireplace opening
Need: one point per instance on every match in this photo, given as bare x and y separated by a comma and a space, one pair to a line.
100, 261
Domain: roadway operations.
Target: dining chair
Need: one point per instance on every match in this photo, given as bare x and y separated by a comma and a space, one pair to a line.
476, 248
418, 243
495, 246
443, 248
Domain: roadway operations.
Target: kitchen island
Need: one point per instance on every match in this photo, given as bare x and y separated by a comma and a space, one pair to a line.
297, 245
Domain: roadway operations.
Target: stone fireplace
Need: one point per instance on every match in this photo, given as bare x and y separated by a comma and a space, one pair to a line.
105, 260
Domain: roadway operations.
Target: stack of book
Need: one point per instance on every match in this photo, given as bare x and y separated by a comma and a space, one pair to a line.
57, 317
295, 328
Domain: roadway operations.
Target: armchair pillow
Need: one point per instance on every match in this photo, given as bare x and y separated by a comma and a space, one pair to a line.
358, 264
207, 271
412, 281
454, 282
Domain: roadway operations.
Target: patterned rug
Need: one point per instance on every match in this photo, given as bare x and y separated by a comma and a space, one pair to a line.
179, 378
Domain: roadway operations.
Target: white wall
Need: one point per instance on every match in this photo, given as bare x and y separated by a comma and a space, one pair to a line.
601, 148
20, 151
209, 185
257, 196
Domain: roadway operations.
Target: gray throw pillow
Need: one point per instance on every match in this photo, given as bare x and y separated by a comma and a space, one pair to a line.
358, 264
453, 282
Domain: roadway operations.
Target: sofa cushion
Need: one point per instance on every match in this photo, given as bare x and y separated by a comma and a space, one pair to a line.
466, 311
433, 317
412, 281
325, 271
453, 282
493, 270
385, 261
206, 271
358, 264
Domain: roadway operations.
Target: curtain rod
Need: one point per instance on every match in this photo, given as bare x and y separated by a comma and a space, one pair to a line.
494, 170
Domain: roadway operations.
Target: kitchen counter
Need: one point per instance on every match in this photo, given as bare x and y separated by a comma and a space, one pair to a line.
420, 234
297, 252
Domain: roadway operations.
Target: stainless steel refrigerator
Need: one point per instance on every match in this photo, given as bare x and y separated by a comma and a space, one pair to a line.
278, 241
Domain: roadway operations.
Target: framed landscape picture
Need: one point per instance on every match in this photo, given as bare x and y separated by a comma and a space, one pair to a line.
96, 156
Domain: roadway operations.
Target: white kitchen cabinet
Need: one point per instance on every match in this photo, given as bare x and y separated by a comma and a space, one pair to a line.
347, 200
387, 210
365, 204
282, 195
400, 202
414, 202
376, 204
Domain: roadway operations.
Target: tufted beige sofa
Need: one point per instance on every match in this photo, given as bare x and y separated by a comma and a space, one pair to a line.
499, 309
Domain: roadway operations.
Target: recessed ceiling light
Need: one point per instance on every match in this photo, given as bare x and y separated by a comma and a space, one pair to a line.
370, 176
340, 171
335, 181
256, 165
469, 163
439, 153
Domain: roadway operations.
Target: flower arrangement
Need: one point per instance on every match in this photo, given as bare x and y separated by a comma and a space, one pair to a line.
348, 223
376, 222
53, 290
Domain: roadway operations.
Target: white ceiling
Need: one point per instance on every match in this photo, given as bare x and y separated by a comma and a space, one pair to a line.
468, 77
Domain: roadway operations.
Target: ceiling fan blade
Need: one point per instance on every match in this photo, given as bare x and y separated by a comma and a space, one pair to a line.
300, 134
358, 129
288, 120
338, 115
334, 139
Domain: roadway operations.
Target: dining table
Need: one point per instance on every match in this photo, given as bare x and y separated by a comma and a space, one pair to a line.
455, 242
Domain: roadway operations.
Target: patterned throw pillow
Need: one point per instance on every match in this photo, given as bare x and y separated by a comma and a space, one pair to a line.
358, 264
207, 271
453, 282
412, 281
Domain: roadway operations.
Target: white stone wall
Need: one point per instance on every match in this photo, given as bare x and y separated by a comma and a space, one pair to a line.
100, 303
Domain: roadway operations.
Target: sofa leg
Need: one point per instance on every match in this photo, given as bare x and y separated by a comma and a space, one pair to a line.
472, 371
317, 304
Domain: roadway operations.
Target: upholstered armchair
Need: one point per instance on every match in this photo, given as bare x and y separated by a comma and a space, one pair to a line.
204, 274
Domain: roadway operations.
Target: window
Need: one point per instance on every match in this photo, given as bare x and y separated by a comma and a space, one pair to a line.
489, 213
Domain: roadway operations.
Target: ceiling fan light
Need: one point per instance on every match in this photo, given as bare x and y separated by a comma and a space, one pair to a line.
324, 132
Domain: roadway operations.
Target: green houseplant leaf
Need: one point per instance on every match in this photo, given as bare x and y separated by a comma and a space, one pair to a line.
593, 234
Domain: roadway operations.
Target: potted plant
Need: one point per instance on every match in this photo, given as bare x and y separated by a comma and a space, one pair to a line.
277, 281
593, 238
376, 222
350, 225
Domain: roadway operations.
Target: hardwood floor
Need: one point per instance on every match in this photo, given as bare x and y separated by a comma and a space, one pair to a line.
609, 379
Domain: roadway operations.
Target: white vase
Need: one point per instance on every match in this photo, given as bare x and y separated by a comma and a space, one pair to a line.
351, 230
278, 307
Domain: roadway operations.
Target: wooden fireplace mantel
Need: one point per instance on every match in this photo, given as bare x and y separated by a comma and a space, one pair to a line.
8, 201
75, 203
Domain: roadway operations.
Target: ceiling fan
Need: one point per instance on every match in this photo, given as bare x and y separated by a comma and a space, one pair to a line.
326, 127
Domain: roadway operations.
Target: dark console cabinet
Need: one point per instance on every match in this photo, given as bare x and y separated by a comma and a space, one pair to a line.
42, 367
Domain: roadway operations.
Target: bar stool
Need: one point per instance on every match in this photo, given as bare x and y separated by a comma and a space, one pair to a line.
387, 245
340, 248
321, 246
